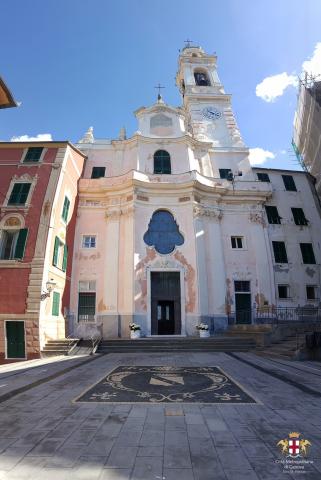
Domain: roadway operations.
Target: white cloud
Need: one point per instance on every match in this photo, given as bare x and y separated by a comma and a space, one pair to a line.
313, 65
41, 137
273, 87
258, 156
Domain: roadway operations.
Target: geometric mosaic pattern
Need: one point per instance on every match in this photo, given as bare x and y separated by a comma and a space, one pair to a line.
162, 384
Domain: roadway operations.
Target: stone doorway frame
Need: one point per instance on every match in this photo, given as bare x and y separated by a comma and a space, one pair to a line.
168, 269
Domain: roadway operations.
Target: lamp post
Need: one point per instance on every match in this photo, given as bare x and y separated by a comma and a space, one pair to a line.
50, 285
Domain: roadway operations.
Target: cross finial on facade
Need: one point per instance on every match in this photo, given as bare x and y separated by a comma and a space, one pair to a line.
159, 86
188, 43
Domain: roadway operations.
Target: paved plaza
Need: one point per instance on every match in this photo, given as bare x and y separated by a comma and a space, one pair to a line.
45, 434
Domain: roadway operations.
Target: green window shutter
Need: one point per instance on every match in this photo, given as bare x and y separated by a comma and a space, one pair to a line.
64, 261
19, 194
65, 209
55, 303
33, 154
56, 252
21, 244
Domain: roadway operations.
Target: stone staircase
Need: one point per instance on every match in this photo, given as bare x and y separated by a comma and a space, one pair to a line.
217, 343
287, 349
283, 340
58, 347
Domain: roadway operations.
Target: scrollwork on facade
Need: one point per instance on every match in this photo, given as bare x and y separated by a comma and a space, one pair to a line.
128, 211
200, 211
112, 214
257, 217
165, 264
25, 177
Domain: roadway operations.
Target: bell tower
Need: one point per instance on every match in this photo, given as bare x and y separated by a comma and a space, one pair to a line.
208, 108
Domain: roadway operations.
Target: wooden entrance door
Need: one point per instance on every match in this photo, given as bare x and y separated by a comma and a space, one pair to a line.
165, 303
15, 334
243, 307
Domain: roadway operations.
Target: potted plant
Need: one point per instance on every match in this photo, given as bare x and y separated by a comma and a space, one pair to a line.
203, 330
134, 330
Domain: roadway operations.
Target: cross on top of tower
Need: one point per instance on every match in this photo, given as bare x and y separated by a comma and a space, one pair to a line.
188, 43
159, 86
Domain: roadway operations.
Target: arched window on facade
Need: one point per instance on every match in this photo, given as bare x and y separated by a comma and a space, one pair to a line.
201, 78
162, 162
163, 233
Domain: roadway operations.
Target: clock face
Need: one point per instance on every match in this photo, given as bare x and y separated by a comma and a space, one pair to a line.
211, 113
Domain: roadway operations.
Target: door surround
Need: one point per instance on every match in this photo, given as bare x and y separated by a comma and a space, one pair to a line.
168, 269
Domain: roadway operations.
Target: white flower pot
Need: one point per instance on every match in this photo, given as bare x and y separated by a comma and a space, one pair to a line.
204, 333
135, 334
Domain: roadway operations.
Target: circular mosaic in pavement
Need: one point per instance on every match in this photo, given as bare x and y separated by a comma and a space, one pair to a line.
157, 384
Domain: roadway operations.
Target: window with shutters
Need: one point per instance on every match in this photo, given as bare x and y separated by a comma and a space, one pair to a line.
55, 303
263, 177
289, 183
280, 255
237, 242
162, 162
298, 216
60, 255
307, 253
98, 172
19, 193
65, 210
13, 243
272, 214
33, 154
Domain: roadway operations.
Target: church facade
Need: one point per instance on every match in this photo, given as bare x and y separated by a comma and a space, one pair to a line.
173, 227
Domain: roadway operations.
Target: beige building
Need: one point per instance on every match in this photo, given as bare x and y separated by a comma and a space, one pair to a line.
307, 129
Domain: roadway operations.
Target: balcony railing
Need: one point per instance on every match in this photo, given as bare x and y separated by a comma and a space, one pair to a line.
261, 315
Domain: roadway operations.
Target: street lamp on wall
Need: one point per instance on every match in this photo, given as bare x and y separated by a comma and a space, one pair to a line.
50, 285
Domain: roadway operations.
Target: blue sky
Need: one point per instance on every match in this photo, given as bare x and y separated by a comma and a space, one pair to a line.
77, 63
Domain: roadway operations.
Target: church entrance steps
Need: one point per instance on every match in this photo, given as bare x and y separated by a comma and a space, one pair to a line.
287, 349
269, 334
59, 347
212, 344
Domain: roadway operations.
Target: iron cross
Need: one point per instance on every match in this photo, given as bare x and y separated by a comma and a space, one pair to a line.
188, 43
159, 88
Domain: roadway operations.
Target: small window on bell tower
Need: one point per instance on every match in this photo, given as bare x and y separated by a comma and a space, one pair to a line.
201, 78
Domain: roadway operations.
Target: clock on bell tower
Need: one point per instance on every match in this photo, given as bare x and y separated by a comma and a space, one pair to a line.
208, 108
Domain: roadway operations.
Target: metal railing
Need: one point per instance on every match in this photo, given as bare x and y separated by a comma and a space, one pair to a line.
86, 317
71, 343
267, 314
95, 340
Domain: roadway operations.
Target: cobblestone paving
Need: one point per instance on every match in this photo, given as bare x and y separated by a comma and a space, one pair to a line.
44, 435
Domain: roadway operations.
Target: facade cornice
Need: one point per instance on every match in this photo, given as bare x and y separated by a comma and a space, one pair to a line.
200, 96
137, 138
154, 185
159, 107
54, 144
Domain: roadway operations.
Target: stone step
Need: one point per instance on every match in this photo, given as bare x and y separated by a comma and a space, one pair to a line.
172, 341
52, 353
218, 344
169, 349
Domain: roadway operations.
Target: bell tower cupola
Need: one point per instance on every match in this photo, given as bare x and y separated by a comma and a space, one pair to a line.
209, 114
